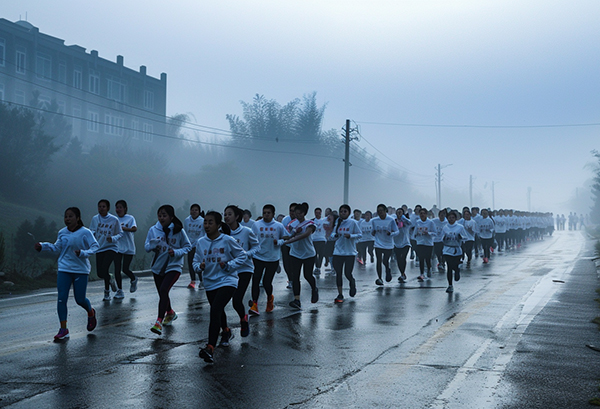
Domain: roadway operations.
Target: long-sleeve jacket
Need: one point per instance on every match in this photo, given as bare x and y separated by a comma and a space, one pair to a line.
224, 249
157, 241
67, 243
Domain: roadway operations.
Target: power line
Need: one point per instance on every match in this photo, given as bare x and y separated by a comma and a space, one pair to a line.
482, 126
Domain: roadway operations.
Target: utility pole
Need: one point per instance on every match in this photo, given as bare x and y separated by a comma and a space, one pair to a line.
438, 178
347, 140
493, 197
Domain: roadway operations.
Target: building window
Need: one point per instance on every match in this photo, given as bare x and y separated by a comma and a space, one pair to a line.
113, 125
43, 66
135, 129
93, 123
20, 97
148, 99
148, 131
2, 52
62, 72
77, 78
115, 90
21, 58
94, 82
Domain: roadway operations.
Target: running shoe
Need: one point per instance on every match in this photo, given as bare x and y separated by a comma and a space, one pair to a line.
339, 299
378, 281
92, 322
113, 284
352, 288
106, 295
429, 272
289, 285
119, 295
157, 327
192, 285
253, 308
401, 280
314, 295
296, 304
450, 289
133, 287
421, 278
441, 268
360, 261
63, 333
388, 275
245, 328
468, 264
317, 272
457, 275
169, 318
207, 353
226, 335
270, 303
403, 276
485, 260
491, 249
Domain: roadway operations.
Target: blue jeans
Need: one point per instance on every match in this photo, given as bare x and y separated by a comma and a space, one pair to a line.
63, 285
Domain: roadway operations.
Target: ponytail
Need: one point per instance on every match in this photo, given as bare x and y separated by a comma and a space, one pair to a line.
219, 220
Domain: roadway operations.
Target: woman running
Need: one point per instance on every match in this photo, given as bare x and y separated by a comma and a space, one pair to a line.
270, 235
247, 240
486, 233
125, 249
384, 230
345, 234
218, 257
74, 245
302, 255
438, 245
402, 242
469, 241
194, 228
452, 236
365, 243
107, 231
319, 240
170, 244
424, 234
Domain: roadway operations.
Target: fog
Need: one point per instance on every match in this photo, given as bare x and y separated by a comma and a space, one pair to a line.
504, 91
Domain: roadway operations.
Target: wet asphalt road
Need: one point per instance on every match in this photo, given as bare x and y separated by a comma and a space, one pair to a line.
410, 345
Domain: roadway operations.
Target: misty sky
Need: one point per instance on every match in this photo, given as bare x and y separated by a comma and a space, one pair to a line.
478, 63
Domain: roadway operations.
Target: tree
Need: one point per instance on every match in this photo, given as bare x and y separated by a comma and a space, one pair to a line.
26, 151
595, 209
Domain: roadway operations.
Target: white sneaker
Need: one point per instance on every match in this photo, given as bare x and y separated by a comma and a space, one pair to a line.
106, 295
289, 285
113, 285
119, 294
134, 284
450, 289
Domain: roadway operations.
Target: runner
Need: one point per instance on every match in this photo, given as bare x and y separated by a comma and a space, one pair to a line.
345, 234
469, 240
125, 249
319, 240
438, 245
452, 236
270, 235
107, 231
486, 233
384, 230
74, 245
366, 242
247, 241
402, 242
170, 244
218, 258
424, 233
302, 255
194, 228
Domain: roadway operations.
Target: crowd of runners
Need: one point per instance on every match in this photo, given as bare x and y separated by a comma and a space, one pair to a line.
228, 252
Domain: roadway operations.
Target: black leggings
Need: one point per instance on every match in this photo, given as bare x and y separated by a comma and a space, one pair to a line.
363, 247
383, 256
501, 240
238, 296
401, 258
467, 248
320, 249
103, 261
452, 262
164, 283
269, 268
345, 263
424, 255
285, 257
297, 264
190, 259
486, 244
438, 248
218, 300
126, 258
